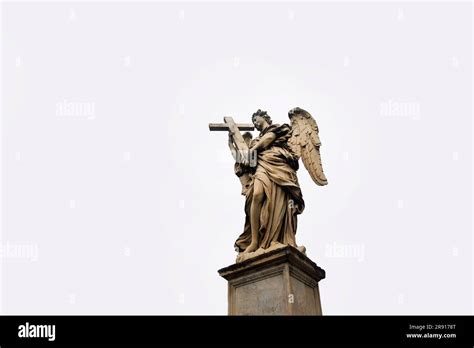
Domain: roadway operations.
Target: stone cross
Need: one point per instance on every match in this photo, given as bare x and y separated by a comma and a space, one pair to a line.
234, 128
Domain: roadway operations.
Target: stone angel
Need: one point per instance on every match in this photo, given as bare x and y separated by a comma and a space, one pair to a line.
273, 197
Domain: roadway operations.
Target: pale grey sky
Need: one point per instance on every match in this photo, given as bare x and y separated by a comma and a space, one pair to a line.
116, 198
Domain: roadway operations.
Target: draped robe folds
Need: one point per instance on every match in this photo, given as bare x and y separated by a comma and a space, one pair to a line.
276, 171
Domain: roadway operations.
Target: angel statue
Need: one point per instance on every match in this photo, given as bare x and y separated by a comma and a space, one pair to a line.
273, 197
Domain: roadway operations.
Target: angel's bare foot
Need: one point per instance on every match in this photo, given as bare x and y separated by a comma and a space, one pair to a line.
251, 248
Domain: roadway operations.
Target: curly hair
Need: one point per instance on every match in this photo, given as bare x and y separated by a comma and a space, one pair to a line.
263, 114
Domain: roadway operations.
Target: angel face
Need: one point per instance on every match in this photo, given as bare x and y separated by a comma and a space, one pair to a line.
259, 122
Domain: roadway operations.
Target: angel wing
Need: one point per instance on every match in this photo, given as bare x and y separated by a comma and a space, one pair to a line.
305, 143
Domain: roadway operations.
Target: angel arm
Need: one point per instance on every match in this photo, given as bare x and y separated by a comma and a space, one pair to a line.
264, 142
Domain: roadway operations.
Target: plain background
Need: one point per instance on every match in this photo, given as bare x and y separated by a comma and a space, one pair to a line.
131, 205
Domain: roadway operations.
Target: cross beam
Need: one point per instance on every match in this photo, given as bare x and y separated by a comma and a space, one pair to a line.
225, 126
234, 128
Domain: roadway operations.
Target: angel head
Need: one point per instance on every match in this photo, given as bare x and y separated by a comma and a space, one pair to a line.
247, 138
261, 120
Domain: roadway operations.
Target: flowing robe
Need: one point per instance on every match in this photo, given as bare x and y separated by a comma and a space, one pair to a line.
276, 171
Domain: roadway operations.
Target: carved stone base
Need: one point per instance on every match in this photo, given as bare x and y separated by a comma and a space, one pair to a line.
280, 282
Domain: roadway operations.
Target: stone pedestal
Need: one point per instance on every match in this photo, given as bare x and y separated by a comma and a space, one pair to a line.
281, 282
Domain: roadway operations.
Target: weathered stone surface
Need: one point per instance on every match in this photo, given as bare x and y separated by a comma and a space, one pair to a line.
267, 169
280, 282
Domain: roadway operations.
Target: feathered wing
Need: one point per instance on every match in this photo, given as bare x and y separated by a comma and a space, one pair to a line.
305, 143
